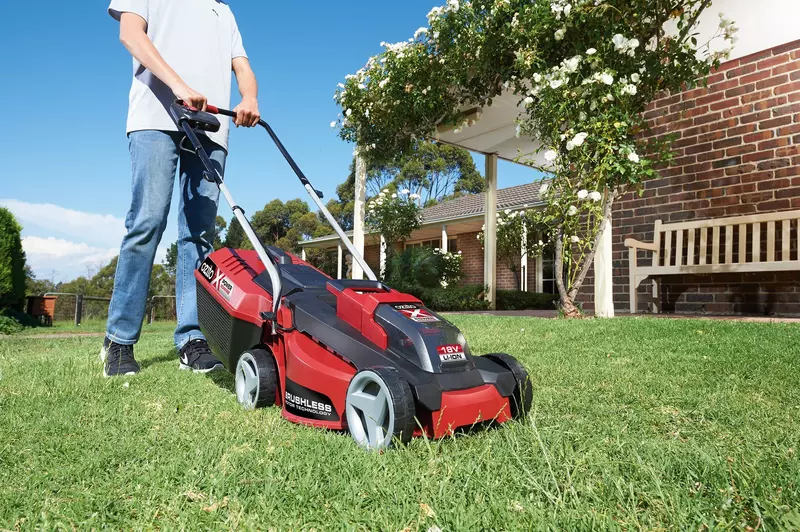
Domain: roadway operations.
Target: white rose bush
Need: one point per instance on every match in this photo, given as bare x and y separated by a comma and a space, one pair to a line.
584, 72
394, 215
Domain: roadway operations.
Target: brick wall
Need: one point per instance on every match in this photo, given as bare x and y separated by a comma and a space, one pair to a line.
737, 152
472, 250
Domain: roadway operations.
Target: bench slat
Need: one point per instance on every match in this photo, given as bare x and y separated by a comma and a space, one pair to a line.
703, 244
749, 219
690, 249
667, 248
679, 249
728, 244
780, 266
742, 243
771, 241
786, 242
756, 242
715, 246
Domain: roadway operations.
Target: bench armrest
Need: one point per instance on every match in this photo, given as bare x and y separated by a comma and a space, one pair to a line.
633, 243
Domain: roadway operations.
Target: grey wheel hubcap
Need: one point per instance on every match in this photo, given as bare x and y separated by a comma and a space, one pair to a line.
247, 381
370, 416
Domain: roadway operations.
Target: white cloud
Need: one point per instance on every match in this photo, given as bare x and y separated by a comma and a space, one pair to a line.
65, 260
102, 230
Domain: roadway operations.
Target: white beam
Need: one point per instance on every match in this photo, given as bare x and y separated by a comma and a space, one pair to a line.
383, 257
490, 234
339, 262
524, 261
444, 238
604, 274
539, 271
359, 214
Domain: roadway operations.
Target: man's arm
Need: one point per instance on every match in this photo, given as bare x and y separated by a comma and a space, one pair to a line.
247, 111
133, 34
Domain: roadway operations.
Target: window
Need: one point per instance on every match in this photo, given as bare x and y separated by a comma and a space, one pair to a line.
452, 244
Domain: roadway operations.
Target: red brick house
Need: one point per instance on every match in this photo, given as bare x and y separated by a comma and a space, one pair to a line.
737, 153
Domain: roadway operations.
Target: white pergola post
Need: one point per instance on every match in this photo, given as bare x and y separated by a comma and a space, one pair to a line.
604, 274
524, 261
303, 254
383, 257
339, 262
539, 270
490, 234
444, 238
359, 214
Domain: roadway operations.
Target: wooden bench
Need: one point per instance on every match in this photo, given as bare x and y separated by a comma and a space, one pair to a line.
754, 243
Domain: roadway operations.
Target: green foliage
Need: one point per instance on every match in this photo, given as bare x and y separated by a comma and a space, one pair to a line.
394, 215
517, 300
451, 299
435, 172
235, 236
283, 224
13, 321
171, 260
37, 287
342, 208
219, 226
12, 262
414, 267
583, 73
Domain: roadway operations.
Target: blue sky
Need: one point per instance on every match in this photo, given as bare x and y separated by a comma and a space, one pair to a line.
66, 80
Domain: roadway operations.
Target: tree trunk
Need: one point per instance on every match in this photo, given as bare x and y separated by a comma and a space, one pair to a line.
567, 298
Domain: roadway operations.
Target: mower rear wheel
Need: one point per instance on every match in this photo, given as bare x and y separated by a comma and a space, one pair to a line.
379, 408
523, 391
256, 379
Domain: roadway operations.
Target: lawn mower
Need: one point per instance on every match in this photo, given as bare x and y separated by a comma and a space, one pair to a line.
340, 354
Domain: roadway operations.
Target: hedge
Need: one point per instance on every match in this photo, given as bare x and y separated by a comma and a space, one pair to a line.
516, 300
12, 263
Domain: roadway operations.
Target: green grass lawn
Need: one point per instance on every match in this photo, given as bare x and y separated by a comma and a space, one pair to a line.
637, 424
90, 326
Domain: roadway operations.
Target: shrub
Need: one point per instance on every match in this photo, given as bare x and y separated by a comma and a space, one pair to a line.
516, 300
454, 299
12, 263
13, 321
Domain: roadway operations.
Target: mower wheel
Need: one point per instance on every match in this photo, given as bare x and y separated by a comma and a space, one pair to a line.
256, 379
379, 408
523, 391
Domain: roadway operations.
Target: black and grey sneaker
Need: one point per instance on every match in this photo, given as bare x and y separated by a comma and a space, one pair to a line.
197, 356
118, 359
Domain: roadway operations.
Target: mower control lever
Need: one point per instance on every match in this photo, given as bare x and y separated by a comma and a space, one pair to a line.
196, 119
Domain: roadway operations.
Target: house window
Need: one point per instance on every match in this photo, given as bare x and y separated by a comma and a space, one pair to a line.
452, 246
549, 272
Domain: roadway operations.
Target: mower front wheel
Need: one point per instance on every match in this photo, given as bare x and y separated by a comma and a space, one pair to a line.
256, 379
379, 408
523, 391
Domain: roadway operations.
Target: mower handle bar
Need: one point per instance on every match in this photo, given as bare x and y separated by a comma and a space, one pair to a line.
315, 195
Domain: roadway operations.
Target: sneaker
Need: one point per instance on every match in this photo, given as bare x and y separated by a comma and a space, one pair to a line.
197, 356
118, 359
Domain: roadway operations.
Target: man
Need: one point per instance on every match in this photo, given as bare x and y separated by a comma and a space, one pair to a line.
182, 49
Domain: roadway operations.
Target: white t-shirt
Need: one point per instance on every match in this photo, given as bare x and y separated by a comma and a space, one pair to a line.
198, 39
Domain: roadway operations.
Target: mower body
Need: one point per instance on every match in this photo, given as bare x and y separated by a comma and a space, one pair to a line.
328, 330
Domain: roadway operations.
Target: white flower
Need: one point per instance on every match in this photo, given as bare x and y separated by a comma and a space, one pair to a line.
362, 86
383, 83
537, 77
573, 210
556, 83
633, 44
543, 190
394, 196
574, 239
620, 42
595, 196
567, 10
583, 194
414, 197
570, 145
607, 78
571, 65
632, 157
366, 113
559, 34
635, 77
591, 51
348, 112
420, 31
333, 124
453, 4
580, 138
528, 100
405, 192
629, 89
385, 191
550, 155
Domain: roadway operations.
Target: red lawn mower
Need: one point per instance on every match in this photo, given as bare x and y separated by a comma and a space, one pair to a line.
336, 353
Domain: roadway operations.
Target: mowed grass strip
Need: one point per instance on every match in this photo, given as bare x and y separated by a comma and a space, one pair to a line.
637, 423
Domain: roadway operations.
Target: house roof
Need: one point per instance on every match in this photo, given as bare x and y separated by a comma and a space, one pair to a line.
473, 205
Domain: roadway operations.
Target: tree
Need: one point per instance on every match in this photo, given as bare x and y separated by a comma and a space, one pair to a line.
37, 287
583, 72
12, 263
435, 172
343, 207
394, 216
219, 227
235, 236
171, 260
284, 224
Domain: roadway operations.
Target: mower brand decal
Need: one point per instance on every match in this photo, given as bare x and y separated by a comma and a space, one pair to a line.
226, 288
451, 353
208, 270
416, 313
309, 404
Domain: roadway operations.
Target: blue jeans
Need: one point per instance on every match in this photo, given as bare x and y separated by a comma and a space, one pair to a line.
154, 160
